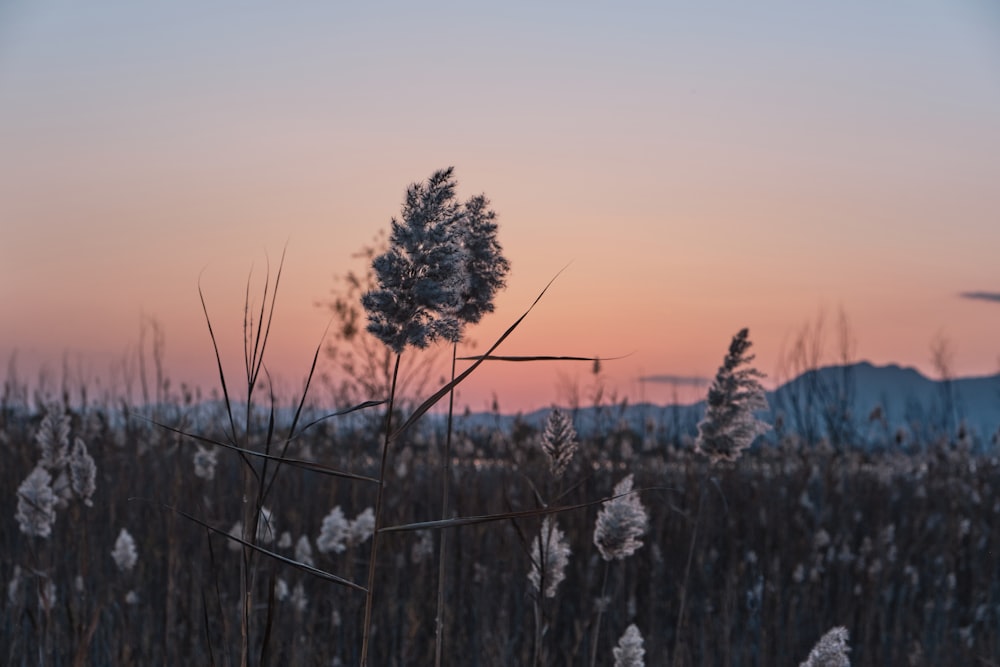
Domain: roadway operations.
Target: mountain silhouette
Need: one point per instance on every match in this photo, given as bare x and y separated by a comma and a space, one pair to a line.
862, 403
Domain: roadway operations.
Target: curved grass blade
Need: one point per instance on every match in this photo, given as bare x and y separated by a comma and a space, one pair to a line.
359, 406
443, 391
265, 324
538, 357
218, 362
502, 516
298, 463
322, 574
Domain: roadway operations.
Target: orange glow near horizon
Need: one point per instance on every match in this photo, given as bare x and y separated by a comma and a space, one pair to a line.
698, 173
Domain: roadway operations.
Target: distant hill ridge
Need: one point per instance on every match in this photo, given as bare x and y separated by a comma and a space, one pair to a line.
877, 400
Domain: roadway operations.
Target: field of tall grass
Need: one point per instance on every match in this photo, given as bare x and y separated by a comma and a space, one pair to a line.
795, 539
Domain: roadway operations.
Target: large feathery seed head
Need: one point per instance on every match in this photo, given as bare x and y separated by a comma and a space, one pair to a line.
559, 441
441, 271
830, 651
630, 652
621, 523
549, 556
486, 267
334, 533
36, 504
83, 472
124, 553
422, 275
736, 394
53, 437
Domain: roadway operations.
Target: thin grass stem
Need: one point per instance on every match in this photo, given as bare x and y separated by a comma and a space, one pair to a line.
595, 639
687, 569
370, 592
445, 511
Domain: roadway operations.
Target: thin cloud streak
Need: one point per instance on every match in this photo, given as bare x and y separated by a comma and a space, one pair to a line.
682, 380
982, 296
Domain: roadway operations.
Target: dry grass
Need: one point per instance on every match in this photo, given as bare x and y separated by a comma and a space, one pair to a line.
764, 585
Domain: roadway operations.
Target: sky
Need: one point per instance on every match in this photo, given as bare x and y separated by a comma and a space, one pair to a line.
697, 168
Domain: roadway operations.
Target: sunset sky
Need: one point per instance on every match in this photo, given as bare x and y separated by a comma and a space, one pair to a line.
700, 167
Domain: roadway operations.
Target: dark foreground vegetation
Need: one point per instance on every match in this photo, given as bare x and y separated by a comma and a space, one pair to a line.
899, 548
